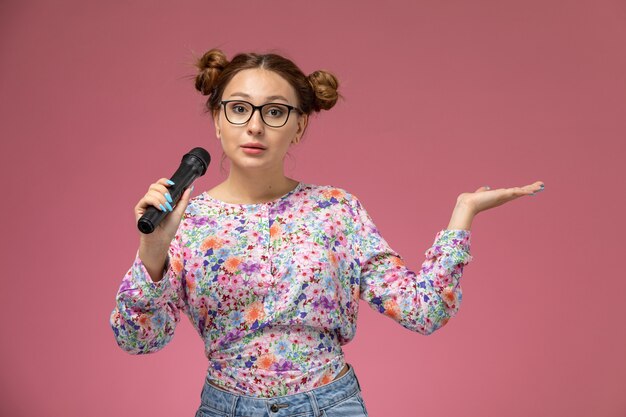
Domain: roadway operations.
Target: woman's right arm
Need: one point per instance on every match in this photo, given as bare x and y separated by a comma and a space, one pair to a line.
150, 298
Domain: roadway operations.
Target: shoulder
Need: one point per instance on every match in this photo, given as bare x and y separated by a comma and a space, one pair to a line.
330, 195
326, 192
202, 206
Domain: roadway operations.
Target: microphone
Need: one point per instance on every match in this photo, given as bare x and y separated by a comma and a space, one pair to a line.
193, 165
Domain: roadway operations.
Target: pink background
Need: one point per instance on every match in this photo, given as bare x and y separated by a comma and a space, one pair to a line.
441, 97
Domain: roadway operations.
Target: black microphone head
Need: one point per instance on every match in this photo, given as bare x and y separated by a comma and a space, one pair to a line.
201, 155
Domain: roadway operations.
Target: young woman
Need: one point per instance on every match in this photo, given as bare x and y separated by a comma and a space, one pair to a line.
270, 270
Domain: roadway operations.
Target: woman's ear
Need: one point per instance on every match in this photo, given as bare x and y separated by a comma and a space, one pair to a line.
303, 121
216, 123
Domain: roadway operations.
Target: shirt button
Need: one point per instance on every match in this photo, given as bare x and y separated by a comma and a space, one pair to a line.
275, 407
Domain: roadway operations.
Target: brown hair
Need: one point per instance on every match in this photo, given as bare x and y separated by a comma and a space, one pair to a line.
315, 92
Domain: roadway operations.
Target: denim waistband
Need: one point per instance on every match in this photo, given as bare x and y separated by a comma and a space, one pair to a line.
303, 403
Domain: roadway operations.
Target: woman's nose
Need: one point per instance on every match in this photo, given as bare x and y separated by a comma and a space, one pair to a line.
255, 124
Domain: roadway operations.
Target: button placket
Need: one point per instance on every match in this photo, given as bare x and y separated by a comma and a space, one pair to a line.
266, 221
265, 209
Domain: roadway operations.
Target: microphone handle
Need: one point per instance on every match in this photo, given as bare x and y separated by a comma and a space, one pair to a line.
182, 178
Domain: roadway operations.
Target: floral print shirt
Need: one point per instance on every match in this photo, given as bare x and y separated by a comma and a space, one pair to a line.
273, 288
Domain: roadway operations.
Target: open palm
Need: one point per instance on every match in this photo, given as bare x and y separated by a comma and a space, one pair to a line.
484, 198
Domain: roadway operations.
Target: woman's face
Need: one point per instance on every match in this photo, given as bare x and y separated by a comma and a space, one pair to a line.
259, 86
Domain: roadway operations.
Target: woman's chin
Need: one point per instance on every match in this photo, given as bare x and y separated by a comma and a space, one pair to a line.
254, 164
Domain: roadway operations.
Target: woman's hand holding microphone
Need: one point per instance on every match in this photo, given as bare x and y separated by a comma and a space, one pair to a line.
159, 212
153, 247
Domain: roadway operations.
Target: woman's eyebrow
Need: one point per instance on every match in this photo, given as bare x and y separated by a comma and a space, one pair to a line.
244, 95
270, 98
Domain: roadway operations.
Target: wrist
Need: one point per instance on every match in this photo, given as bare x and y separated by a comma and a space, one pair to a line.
462, 217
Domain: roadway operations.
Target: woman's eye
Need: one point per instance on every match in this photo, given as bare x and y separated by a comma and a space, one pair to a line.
238, 108
275, 112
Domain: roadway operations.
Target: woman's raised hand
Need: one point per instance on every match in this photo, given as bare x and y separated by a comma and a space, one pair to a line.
485, 198
159, 197
153, 246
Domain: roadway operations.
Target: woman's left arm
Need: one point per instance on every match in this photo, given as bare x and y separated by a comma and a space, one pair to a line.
423, 302
469, 205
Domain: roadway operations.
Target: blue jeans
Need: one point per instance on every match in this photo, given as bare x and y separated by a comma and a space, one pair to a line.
339, 398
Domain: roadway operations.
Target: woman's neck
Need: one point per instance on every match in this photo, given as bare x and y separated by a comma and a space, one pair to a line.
254, 187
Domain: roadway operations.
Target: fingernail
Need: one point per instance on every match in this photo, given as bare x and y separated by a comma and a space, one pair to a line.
169, 207
487, 187
168, 197
542, 186
170, 182
191, 189
162, 208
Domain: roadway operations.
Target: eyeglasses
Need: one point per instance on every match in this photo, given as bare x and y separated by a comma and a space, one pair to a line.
240, 112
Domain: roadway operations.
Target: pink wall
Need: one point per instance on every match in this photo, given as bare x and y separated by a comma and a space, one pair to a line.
441, 97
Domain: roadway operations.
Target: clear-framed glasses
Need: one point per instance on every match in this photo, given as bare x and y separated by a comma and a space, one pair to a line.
239, 112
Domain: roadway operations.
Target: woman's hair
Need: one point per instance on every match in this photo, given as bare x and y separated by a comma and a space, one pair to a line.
315, 92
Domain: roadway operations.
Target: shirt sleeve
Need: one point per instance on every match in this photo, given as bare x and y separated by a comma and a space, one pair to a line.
147, 312
422, 302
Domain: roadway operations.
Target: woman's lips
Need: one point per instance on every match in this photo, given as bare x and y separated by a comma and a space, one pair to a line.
252, 151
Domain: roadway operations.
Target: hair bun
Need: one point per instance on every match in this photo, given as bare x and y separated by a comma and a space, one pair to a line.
324, 86
210, 66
